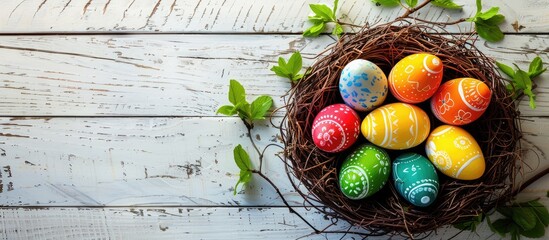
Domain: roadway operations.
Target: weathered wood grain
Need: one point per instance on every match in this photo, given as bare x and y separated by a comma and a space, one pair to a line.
174, 75
268, 16
183, 223
155, 161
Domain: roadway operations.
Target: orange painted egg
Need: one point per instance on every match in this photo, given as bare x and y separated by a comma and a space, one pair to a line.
416, 78
461, 101
396, 126
455, 153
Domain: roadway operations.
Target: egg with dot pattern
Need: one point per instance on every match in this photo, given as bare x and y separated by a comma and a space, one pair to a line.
396, 126
455, 153
363, 85
335, 128
364, 172
415, 179
416, 77
461, 101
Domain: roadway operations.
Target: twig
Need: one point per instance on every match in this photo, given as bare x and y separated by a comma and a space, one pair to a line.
439, 23
413, 10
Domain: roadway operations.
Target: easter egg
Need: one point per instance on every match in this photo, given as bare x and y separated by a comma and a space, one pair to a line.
416, 77
396, 126
415, 179
461, 101
455, 153
335, 128
363, 85
364, 172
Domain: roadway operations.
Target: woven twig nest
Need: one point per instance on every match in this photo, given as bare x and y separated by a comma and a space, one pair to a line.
497, 132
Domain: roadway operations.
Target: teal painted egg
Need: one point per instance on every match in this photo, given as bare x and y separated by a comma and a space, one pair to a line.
415, 179
364, 172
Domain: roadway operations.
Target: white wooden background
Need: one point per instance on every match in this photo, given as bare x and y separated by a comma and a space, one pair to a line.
107, 115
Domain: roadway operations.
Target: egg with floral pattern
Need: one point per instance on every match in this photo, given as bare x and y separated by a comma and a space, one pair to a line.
335, 128
364, 172
363, 85
396, 126
455, 153
416, 77
461, 101
415, 179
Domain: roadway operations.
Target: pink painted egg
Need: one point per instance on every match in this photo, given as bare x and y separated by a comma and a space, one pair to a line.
336, 128
460, 101
416, 78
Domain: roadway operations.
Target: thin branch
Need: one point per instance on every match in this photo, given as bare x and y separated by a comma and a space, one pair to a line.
413, 10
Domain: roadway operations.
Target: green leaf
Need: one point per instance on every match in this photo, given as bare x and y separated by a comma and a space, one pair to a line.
336, 2
387, 3
524, 217
294, 64
503, 226
338, 30
237, 94
491, 33
322, 11
411, 3
540, 210
495, 20
537, 231
536, 68
448, 4
488, 14
245, 177
227, 110
505, 211
260, 106
241, 158
522, 80
282, 72
315, 30
297, 77
506, 69
479, 6
532, 98
244, 110
470, 225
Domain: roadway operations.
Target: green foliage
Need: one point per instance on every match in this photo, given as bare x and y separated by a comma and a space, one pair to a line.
449, 4
487, 23
527, 219
289, 69
470, 224
323, 16
521, 80
242, 160
248, 112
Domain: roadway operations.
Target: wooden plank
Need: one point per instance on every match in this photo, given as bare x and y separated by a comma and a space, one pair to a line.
155, 161
173, 75
183, 223
288, 16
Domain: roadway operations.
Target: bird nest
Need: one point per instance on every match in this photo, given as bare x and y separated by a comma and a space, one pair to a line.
497, 132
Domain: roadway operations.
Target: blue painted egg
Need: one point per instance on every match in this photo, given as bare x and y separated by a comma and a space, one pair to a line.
363, 85
415, 179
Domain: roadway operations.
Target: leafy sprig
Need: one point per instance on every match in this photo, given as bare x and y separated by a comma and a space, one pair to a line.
527, 219
521, 80
323, 15
246, 111
449, 4
291, 68
487, 23
242, 160
470, 225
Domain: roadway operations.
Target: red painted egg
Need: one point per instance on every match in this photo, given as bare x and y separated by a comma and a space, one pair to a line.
415, 78
336, 128
461, 101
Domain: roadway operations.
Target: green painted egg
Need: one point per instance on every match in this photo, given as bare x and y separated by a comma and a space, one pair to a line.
364, 172
415, 179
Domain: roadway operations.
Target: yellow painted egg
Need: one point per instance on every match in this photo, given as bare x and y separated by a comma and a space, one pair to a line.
461, 101
455, 153
396, 126
416, 78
